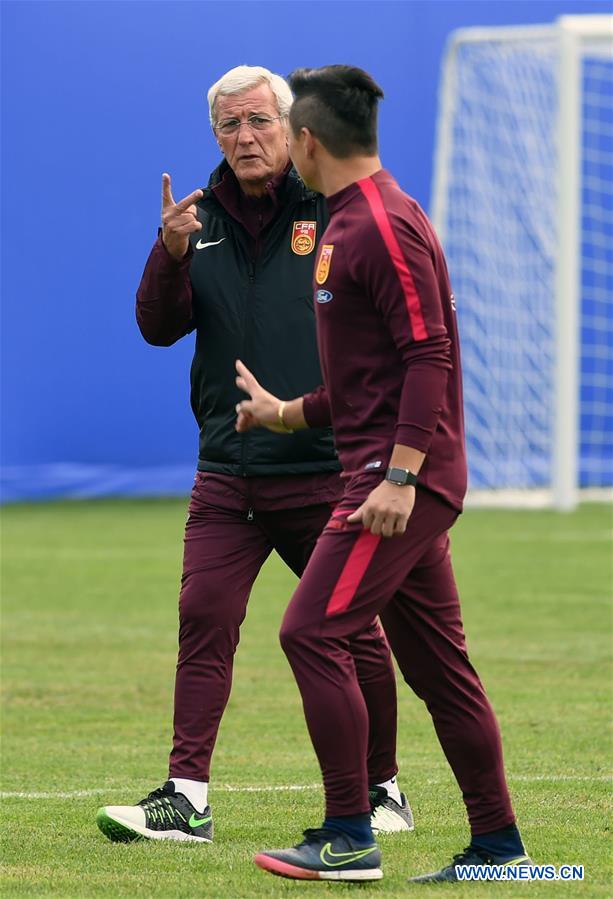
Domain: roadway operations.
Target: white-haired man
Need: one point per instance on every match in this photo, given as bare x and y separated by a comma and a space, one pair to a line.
234, 263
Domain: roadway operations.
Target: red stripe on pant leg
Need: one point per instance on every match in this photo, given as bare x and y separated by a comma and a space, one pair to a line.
353, 571
342, 513
375, 202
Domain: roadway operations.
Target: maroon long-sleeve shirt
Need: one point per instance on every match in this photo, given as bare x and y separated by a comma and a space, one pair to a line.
388, 339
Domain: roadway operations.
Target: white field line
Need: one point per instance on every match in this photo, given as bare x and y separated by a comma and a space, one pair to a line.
288, 788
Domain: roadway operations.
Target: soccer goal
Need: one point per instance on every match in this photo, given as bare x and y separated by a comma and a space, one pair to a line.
523, 203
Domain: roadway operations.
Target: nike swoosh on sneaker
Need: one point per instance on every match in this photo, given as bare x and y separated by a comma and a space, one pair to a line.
209, 243
334, 859
195, 821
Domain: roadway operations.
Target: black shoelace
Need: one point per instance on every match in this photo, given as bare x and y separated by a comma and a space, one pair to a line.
160, 808
317, 834
468, 853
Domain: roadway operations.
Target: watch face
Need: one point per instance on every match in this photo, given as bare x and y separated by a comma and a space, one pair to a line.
401, 477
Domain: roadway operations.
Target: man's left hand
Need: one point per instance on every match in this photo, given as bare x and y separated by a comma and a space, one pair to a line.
261, 410
386, 510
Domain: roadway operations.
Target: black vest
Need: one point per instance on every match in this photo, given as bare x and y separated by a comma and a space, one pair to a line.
260, 311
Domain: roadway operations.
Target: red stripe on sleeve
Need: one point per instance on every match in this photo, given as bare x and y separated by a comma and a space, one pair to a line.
353, 571
413, 303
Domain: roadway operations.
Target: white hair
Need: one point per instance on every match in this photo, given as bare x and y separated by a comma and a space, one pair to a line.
241, 79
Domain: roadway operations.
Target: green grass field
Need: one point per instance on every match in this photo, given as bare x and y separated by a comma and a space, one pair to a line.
90, 608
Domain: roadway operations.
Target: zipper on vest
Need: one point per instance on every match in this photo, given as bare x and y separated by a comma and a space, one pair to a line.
246, 328
250, 515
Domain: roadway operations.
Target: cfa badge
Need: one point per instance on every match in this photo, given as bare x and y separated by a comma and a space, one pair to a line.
303, 238
323, 266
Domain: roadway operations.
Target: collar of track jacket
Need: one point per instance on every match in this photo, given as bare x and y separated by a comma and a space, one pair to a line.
253, 213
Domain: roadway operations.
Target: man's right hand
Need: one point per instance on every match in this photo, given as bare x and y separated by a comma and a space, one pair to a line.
179, 220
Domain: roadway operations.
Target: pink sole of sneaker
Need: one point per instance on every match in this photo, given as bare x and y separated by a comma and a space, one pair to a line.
282, 869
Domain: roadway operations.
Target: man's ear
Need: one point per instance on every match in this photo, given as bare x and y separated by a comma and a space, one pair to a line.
310, 142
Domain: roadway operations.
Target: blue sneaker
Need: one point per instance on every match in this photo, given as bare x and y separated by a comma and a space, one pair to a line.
472, 855
324, 855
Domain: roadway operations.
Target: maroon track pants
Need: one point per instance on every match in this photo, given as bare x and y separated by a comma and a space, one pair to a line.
225, 547
408, 580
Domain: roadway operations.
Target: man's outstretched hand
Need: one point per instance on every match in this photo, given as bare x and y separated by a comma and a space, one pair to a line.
179, 220
261, 410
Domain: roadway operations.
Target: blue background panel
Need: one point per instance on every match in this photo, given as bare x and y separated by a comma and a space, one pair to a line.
98, 98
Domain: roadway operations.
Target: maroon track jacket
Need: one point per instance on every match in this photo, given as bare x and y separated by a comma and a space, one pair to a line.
388, 339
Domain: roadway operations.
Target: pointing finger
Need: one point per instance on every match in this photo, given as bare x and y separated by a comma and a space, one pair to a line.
248, 378
190, 199
167, 198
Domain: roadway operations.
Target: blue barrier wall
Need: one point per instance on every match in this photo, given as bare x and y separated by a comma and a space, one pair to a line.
98, 99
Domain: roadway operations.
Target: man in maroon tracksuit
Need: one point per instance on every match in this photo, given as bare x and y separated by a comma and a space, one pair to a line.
390, 359
234, 263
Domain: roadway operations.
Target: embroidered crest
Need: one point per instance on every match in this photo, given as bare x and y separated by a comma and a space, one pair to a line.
323, 266
303, 238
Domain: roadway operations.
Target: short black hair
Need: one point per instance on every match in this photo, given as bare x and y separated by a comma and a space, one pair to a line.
338, 104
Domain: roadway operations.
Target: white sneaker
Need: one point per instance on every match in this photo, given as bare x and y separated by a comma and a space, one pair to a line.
386, 816
163, 815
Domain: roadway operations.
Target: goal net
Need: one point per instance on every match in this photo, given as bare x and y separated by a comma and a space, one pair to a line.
523, 202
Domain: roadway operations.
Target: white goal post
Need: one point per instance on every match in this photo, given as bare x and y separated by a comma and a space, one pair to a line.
523, 203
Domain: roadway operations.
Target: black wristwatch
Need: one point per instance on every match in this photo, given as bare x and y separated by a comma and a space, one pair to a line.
402, 477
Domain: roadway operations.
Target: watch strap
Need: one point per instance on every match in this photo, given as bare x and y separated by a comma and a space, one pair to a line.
402, 477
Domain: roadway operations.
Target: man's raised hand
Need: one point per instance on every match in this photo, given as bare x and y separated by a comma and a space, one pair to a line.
179, 220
